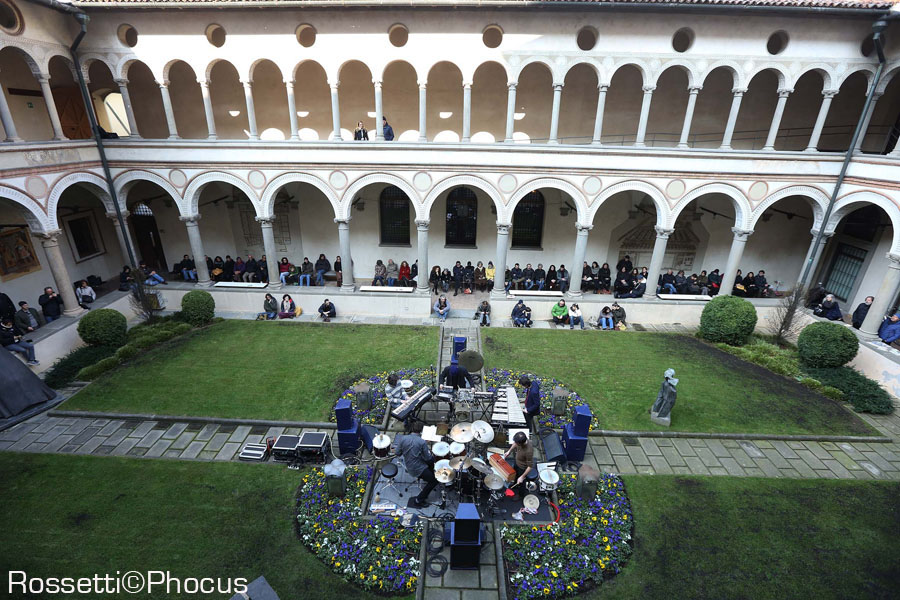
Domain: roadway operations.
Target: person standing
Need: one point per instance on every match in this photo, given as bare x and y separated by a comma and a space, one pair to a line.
338, 269
51, 304
859, 315
85, 294
360, 134
418, 460
532, 399
456, 376
11, 339
28, 319
435, 279
388, 130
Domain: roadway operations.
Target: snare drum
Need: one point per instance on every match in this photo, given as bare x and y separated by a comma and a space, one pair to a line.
406, 384
381, 445
549, 480
457, 449
440, 450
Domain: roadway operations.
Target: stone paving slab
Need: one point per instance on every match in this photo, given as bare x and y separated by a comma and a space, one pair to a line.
143, 429
158, 449
124, 447
110, 428
151, 438
91, 445
174, 431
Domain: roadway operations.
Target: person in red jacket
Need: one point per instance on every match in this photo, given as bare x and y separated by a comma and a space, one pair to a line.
404, 275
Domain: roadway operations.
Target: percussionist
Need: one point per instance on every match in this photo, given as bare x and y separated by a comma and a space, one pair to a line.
456, 376
532, 399
524, 455
419, 462
394, 392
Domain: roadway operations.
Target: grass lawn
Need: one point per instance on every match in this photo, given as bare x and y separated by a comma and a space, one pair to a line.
619, 374
722, 538
253, 369
69, 516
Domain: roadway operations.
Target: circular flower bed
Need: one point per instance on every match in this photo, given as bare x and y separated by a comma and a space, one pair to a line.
590, 541
496, 378
375, 415
376, 553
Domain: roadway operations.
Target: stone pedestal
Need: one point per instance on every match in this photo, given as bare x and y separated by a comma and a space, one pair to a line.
664, 421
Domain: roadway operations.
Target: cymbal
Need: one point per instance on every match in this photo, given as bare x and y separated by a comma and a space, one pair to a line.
481, 466
471, 360
483, 432
493, 482
531, 502
445, 475
457, 462
462, 433
440, 449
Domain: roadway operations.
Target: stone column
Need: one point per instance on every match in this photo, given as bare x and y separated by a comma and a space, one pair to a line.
268, 235
865, 125
467, 112
335, 112
208, 110
424, 272
64, 283
379, 112
776, 119
346, 258
6, 118
883, 298
129, 109
499, 290
645, 114
423, 116
510, 114
689, 115
656, 259
251, 110
734, 259
811, 260
167, 107
193, 231
598, 120
292, 109
44, 80
554, 114
732, 118
581, 240
122, 235
827, 97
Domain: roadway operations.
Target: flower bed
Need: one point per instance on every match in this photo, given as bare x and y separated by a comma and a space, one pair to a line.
590, 543
375, 415
375, 553
496, 378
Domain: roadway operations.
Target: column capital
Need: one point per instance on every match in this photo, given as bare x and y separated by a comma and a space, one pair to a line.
503, 228
43, 78
334, 85
694, 89
467, 85
422, 224
830, 93
343, 221
826, 234
785, 92
163, 84
246, 82
603, 87
894, 260
580, 227
663, 232
377, 83
422, 84
738, 91
189, 218
265, 221
512, 85
557, 87
741, 234
648, 88
876, 96
50, 238
125, 214
121, 81
204, 83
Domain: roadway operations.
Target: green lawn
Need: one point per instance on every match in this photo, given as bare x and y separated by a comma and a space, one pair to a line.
619, 374
722, 538
255, 369
68, 516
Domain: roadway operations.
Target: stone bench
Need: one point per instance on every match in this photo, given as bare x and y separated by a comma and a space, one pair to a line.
536, 293
384, 288
688, 297
247, 285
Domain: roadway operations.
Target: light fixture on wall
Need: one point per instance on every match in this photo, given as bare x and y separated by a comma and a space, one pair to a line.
445, 114
565, 208
302, 113
234, 113
360, 204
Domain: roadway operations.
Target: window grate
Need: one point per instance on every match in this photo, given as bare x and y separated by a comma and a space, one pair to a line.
394, 216
848, 261
528, 221
462, 215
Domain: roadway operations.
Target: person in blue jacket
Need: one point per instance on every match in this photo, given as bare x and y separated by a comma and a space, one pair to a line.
889, 331
388, 130
532, 399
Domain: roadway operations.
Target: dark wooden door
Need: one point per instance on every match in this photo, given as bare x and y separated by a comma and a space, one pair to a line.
72, 117
147, 239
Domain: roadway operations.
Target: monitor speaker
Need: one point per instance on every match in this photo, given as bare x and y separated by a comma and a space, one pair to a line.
343, 413
553, 448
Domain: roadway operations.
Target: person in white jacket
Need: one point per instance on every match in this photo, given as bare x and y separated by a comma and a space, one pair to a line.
85, 294
575, 316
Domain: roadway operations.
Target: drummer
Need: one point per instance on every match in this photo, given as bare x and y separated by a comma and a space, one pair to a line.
394, 392
524, 454
456, 376
419, 462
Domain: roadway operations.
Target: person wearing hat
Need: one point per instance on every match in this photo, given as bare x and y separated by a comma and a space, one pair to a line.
889, 332
28, 319
456, 375
532, 399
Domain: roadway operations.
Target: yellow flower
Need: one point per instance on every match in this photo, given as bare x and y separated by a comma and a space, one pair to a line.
361, 576
546, 591
554, 573
605, 539
607, 548
337, 564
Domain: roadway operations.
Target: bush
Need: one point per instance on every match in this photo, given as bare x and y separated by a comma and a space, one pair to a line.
103, 327
728, 319
832, 392
145, 341
96, 370
823, 345
126, 353
66, 369
198, 307
864, 394
812, 383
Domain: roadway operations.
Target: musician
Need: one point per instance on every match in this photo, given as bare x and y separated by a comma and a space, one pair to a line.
524, 456
456, 376
394, 391
419, 462
532, 399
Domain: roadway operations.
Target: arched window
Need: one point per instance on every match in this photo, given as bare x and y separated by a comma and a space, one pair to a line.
141, 210
528, 222
394, 214
462, 214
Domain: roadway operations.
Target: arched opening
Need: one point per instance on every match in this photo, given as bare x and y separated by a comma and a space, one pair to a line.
382, 228
24, 270
884, 128
313, 99
357, 96
624, 227
156, 232
228, 102
757, 108
90, 235
108, 103
779, 242
229, 228
444, 103
67, 97
712, 109
270, 102
400, 92
187, 101
543, 225
800, 112
146, 101
710, 218
670, 99
23, 95
623, 106
578, 105
534, 103
844, 113
489, 92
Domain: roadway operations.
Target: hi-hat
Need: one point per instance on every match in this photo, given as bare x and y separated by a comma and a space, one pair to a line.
483, 432
462, 433
445, 475
531, 502
458, 462
493, 482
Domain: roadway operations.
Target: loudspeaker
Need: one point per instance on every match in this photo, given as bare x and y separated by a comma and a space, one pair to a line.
348, 439
560, 398
343, 414
368, 434
575, 444
467, 524
582, 420
465, 556
459, 345
553, 448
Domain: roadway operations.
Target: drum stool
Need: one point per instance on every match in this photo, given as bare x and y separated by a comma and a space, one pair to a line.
389, 472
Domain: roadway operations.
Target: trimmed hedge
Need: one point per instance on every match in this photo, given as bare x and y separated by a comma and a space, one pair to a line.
198, 308
823, 345
778, 360
96, 370
728, 319
103, 327
126, 353
864, 394
66, 369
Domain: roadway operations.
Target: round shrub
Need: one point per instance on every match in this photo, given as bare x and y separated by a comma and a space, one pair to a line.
96, 370
727, 319
827, 345
103, 327
198, 307
126, 353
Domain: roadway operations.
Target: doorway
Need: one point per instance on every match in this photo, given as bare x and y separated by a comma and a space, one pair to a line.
147, 238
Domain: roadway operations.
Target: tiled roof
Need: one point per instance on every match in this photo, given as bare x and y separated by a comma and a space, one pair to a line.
850, 4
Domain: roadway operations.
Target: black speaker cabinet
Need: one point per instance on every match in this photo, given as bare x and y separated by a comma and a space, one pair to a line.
467, 524
465, 556
553, 449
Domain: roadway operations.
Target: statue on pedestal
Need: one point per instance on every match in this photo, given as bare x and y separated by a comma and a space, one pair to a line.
661, 412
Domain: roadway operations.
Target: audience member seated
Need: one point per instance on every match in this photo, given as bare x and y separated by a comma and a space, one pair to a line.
638, 290
394, 392
528, 277
681, 283
624, 283
490, 273
468, 277
288, 308
605, 320
829, 309
564, 278
762, 286
434, 279
85, 294
284, 270
749, 282
151, 277
327, 311
28, 319
575, 316
815, 295
11, 339
715, 282
458, 276
604, 281
126, 279
859, 315
187, 268
595, 276
239, 268
442, 308
517, 276
250, 269
380, 273
666, 283
587, 278
404, 275
560, 313
413, 272
306, 272
739, 288
480, 279
551, 280
618, 314
228, 269
625, 263
889, 331
262, 269
392, 273
51, 305
446, 280
270, 308
322, 266
483, 314
521, 315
